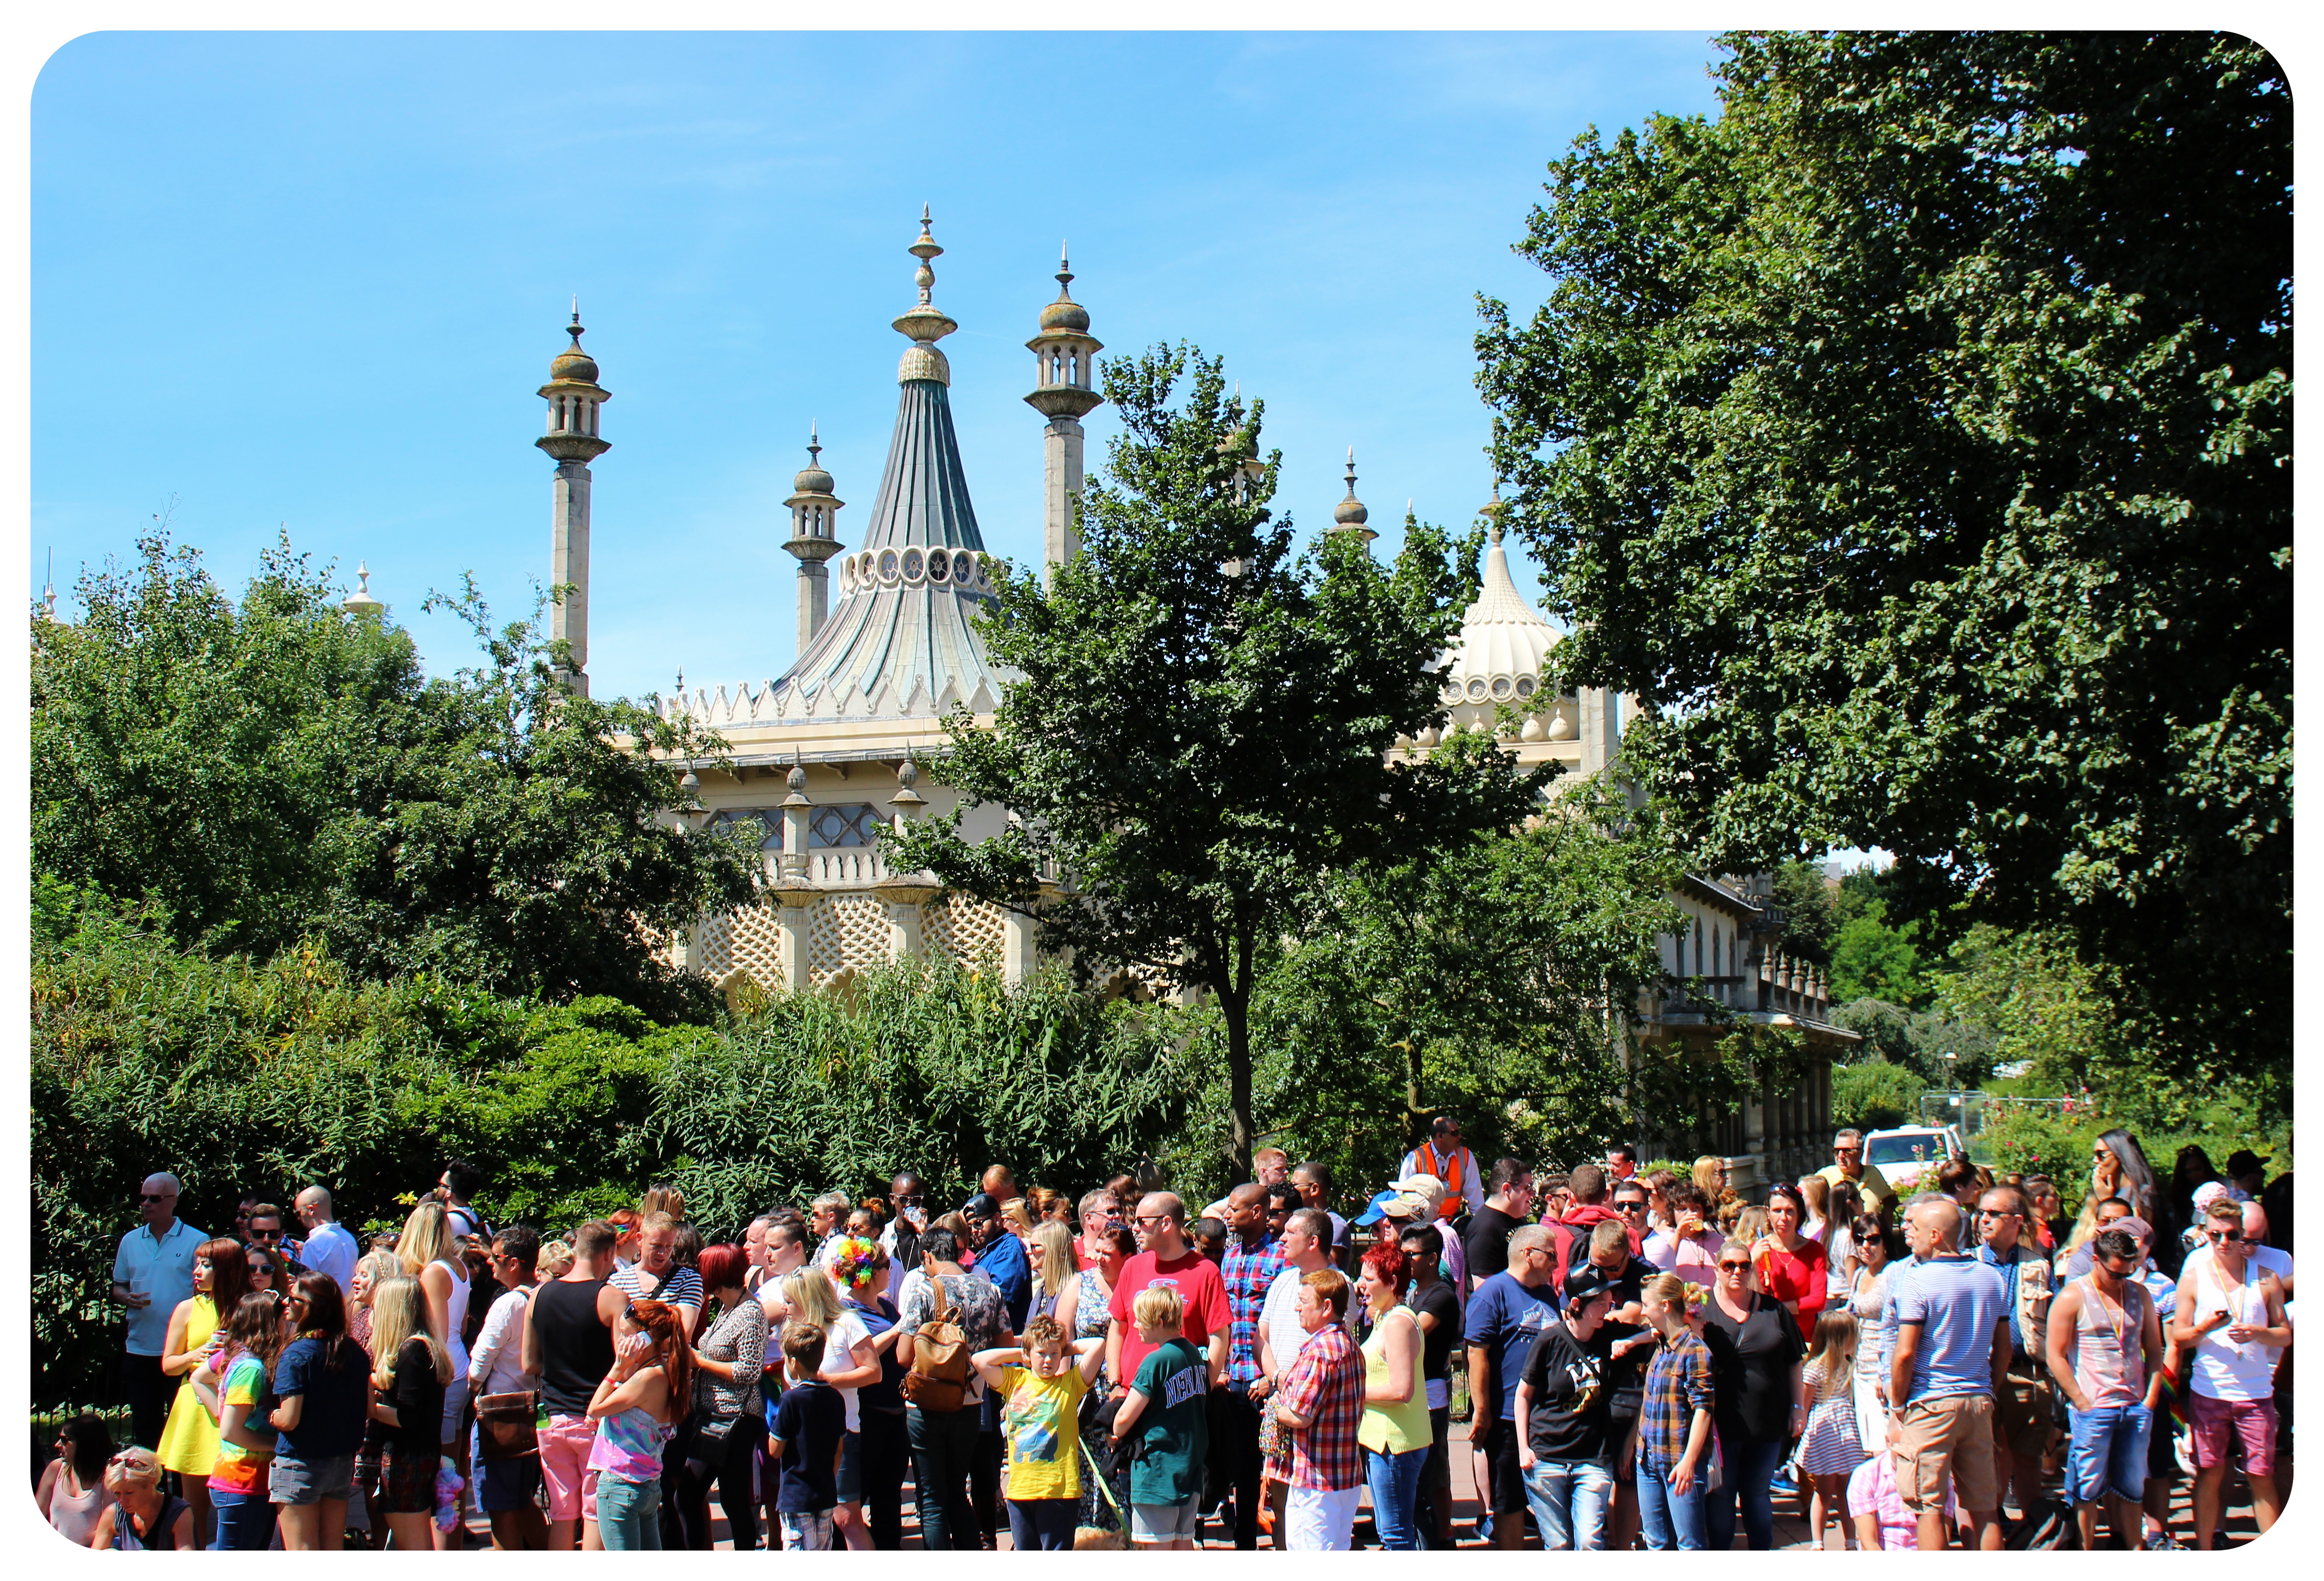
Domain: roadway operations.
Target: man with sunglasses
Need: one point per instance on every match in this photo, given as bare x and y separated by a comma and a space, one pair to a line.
1100, 1215
153, 1271
2230, 1315
265, 1234
2022, 1420
1847, 1164
2105, 1352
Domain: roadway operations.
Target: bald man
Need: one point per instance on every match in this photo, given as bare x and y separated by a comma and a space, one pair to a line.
329, 1249
1950, 1356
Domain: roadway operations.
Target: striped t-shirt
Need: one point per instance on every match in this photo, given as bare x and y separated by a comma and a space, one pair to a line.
680, 1287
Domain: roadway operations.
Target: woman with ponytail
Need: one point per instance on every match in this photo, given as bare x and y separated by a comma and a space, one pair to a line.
637, 1407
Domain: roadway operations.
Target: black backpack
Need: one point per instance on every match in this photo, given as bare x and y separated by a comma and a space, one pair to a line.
2048, 1524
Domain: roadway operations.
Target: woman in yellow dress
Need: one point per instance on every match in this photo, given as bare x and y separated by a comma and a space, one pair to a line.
189, 1438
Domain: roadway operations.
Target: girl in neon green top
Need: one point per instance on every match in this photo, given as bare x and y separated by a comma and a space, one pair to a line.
1042, 1384
1395, 1431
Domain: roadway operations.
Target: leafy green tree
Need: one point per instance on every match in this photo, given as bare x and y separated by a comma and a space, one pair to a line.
281, 770
1872, 1094
1871, 960
1507, 966
1803, 895
1914, 440
1201, 736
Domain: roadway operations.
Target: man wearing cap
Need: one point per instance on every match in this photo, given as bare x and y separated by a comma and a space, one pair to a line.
1000, 1255
1565, 1433
1444, 1156
153, 1271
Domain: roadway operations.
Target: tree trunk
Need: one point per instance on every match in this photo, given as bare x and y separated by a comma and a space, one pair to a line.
1243, 1134
1415, 1116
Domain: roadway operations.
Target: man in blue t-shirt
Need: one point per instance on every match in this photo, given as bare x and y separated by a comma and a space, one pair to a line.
1506, 1317
1951, 1352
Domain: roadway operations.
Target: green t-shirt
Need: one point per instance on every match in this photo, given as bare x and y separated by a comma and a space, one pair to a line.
1174, 1432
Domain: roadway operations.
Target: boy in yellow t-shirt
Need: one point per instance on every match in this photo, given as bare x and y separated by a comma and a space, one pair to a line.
1039, 1422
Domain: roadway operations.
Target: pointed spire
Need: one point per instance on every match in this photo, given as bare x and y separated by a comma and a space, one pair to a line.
925, 323
1350, 514
49, 593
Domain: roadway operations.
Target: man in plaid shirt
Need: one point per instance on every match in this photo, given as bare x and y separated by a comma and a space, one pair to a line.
1322, 1402
1253, 1258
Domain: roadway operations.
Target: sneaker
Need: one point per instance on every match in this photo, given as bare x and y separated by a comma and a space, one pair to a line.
2161, 1541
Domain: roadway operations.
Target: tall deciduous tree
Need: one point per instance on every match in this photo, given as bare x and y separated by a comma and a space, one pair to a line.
1915, 440
279, 769
1200, 736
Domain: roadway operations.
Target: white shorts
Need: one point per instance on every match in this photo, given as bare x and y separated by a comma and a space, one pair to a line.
1318, 1520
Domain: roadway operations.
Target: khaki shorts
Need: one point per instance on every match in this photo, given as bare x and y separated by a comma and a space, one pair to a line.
2021, 1416
1950, 1436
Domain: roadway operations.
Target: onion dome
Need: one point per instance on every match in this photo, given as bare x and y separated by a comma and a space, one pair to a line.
1350, 514
574, 365
1066, 313
1504, 640
812, 479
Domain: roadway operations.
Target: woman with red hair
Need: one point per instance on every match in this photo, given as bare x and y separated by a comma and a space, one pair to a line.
637, 1406
1395, 1431
728, 1354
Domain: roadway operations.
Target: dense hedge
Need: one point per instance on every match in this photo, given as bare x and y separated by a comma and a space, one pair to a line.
241, 1076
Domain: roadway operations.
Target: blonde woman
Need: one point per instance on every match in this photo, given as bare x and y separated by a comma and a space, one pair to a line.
431, 1255
411, 1370
850, 1363
1050, 1250
556, 1261
142, 1514
363, 1504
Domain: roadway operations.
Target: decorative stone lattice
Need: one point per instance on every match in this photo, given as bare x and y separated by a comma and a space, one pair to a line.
844, 933
749, 939
970, 931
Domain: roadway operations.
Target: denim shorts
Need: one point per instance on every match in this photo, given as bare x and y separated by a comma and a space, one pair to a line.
293, 1481
1163, 1522
2109, 1453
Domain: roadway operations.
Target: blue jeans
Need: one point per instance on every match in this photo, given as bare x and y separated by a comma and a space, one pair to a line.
1042, 1523
245, 1522
2108, 1452
1570, 1499
1750, 1466
943, 1443
1395, 1482
629, 1513
1670, 1520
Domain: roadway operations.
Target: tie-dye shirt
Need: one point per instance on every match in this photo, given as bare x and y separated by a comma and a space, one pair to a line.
237, 1470
1039, 1423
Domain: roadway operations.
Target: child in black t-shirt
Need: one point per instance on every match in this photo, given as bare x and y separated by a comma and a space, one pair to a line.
811, 1422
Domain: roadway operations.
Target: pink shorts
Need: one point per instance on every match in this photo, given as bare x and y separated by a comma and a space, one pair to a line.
565, 1446
2220, 1422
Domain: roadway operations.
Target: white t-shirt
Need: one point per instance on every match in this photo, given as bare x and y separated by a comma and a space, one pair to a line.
2267, 1259
842, 1336
1280, 1313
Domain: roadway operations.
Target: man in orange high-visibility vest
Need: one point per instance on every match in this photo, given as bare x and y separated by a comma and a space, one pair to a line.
1444, 1156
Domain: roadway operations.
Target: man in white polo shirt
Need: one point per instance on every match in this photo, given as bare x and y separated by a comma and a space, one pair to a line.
153, 1271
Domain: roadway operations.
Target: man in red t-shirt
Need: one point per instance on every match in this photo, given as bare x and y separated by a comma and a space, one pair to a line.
1166, 1260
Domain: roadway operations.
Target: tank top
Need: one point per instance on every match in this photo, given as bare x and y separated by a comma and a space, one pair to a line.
1391, 1430
74, 1514
1867, 1301
576, 1351
457, 1312
161, 1534
628, 1445
2224, 1370
2109, 1362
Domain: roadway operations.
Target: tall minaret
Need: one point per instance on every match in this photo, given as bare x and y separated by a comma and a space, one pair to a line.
814, 538
1350, 514
574, 397
1063, 351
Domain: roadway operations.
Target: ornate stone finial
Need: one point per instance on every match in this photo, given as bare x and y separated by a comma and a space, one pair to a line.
1492, 511
925, 323
49, 593
1350, 514
906, 776
360, 601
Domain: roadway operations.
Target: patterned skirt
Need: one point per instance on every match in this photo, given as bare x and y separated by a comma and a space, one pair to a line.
1829, 1446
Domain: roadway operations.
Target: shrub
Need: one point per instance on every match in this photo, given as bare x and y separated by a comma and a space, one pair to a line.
1872, 1094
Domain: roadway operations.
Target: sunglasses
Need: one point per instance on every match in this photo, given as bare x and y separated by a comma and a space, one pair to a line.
2215, 1235
1734, 1267
1997, 1212
1631, 1206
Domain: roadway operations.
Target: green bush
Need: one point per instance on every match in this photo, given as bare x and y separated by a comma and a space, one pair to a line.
239, 1075
1873, 1094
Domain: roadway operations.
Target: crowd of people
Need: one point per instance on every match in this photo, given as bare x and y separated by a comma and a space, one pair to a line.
1648, 1357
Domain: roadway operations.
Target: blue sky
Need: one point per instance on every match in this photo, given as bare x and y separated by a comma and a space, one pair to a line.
315, 279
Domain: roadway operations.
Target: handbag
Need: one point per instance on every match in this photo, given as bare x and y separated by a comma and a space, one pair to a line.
507, 1427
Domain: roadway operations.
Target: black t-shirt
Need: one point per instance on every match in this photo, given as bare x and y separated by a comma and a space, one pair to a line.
1751, 1369
1487, 1243
418, 1397
1570, 1420
1625, 1375
1436, 1343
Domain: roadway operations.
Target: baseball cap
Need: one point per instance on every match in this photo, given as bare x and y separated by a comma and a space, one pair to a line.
981, 1207
1393, 1203
1585, 1282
